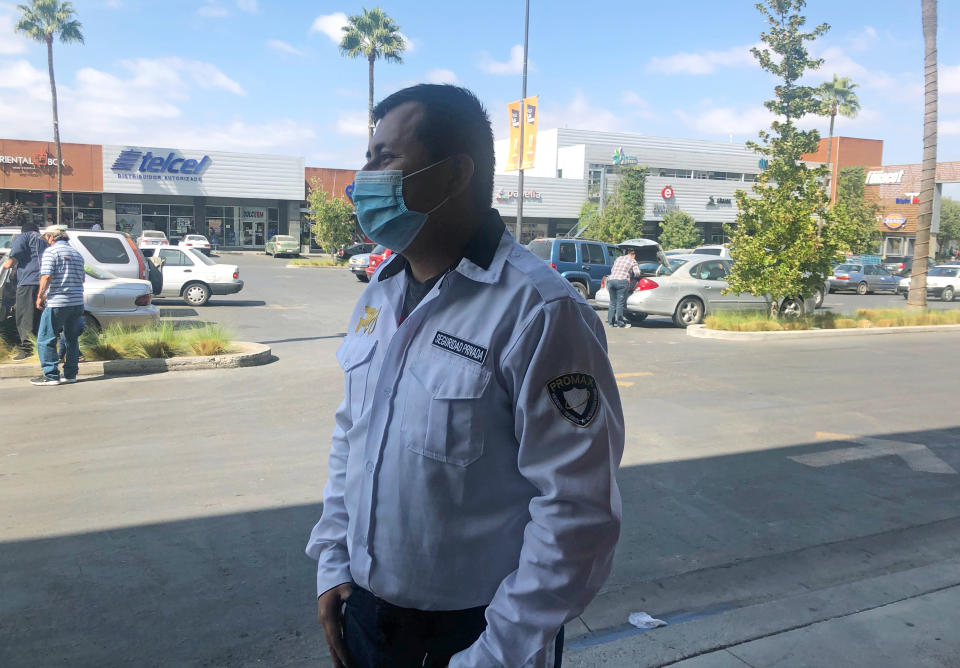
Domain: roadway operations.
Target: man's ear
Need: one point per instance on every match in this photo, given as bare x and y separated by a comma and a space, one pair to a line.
462, 169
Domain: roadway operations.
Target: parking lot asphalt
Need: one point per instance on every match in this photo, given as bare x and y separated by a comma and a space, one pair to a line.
160, 520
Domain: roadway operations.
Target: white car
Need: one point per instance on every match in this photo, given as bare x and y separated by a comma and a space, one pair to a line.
152, 239
943, 281
190, 274
109, 300
197, 241
716, 251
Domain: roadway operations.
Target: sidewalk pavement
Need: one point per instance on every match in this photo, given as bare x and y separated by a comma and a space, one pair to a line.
900, 619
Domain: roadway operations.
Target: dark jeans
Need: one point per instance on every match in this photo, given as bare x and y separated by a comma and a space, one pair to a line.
57, 319
28, 317
380, 635
618, 300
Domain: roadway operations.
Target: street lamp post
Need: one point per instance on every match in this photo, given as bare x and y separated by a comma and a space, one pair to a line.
523, 111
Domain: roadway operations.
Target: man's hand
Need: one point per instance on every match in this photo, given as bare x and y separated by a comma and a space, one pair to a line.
40, 301
329, 613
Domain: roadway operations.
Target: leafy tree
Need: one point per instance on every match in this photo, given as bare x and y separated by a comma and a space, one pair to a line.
42, 21
837, 97
622, 218
917, 297
855, 220
372, 35
332, 219
13, 215
949, 223
678, 230
783, 240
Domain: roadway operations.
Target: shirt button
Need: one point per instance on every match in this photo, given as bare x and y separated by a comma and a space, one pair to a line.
386, 392
369, 467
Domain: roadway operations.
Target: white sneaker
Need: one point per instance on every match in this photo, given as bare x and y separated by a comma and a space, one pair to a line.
67, 381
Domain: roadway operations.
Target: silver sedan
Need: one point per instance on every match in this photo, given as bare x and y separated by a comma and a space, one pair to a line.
695, 289
108, 300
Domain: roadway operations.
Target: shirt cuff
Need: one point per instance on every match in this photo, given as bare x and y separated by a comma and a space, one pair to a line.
329, 576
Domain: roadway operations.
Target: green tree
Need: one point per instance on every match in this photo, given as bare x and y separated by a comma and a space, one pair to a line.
917, 297
949, 223
837, 97
332, 219
44, 21
622, 217
855, 220
13, 215
372, 35
782, 241
679, 230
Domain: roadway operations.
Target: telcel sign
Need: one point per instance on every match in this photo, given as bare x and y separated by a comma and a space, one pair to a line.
135, 164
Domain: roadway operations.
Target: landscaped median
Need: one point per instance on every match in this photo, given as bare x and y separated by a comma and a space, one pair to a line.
739, 326
316, 262
162, 347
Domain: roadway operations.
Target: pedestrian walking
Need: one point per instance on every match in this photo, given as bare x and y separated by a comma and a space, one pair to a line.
624, 269
25, 255
472, 507
61, 298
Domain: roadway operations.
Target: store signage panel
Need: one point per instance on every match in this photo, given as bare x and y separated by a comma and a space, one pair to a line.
171, 171
884, 178
894, 221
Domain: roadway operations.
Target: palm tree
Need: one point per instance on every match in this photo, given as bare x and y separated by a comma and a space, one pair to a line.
917, 298
837, 97
372, 35
42, 21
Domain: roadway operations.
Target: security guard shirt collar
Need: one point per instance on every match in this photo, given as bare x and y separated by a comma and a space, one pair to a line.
480, 251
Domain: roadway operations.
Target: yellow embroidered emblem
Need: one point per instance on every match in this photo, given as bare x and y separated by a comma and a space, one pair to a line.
368, 323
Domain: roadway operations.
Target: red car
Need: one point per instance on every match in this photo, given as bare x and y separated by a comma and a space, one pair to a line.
377, 256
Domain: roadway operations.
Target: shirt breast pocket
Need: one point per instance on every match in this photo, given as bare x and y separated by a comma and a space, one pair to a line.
444, 415
354, 357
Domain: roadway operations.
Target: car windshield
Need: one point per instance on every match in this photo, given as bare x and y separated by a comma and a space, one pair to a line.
379, 250
943, 271
203, 258
541, 248
847, 269
97, 272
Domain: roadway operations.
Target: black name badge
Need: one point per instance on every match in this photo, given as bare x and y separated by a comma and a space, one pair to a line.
458, 346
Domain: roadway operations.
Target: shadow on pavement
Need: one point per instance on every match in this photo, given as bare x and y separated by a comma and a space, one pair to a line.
237, 590
304, 338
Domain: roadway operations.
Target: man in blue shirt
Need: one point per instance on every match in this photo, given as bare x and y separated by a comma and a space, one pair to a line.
25, 255
61, 291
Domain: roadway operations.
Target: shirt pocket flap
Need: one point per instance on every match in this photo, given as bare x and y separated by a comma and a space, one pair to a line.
353, 353
451, 381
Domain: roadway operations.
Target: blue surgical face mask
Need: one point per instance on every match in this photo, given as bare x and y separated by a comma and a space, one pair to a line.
381, 211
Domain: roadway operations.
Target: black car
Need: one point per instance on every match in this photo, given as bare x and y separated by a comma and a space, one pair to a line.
355, 249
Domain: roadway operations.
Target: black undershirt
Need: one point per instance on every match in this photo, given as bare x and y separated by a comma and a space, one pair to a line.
416, 291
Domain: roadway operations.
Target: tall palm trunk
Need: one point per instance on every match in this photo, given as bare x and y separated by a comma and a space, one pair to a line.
370, 60
833, 117
917, 299
56, 126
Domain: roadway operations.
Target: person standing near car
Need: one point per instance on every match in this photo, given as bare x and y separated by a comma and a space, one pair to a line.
61, 292
25, 254
624, 269
472, 506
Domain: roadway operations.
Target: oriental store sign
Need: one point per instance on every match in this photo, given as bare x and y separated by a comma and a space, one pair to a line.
38, 161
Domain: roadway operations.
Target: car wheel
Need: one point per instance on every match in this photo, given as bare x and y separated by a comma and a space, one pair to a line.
362, 278
791, 308
196, 294
906, 295
689, 312
581, 288
818, 298
947, 294
89, 322
862, 288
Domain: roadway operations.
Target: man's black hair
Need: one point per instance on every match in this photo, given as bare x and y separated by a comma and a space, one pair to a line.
29, 226
454, 121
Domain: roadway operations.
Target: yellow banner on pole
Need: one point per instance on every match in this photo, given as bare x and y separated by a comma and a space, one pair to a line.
530, 114
513, 156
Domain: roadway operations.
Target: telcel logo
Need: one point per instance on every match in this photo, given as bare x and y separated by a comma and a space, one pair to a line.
132, 160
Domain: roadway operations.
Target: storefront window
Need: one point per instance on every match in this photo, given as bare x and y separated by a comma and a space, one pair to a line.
181, 222
273, 222
82, 210
128, 219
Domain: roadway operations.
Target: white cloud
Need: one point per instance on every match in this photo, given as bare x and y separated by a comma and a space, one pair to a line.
212, 10
114, 4
949, 127
20, 74
441, 76
512, 66
949, 80
280, 45
249, 6
330, 25
410, 43
631, 99
721, 122
579, 114
705, 62
11, 43
352, 123
865, 39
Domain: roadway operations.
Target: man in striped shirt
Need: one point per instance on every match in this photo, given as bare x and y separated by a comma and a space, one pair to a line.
618, 283
61, 292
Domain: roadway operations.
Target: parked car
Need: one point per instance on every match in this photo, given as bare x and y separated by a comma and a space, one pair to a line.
862, 279
358, 266
198, 241
190, 274
6, 238
585, 262
716, 250
282, 244
355, 249
943, 281
678, 251
694, 290
109, 300
376, 258
151, 238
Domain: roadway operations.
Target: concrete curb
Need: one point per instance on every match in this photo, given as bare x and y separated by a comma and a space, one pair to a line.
250, 354
701, 332
316, 266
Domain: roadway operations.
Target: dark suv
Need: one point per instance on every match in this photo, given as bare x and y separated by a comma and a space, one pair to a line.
583, 262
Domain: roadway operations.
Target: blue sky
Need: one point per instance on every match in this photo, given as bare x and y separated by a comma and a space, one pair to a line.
266, 76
